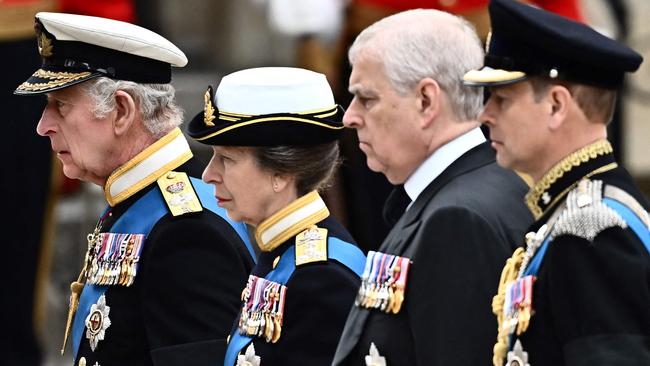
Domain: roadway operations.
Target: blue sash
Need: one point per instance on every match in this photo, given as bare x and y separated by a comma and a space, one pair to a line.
343, 252
140, 218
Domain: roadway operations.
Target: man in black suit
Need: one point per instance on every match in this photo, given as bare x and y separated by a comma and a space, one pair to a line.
584, 273
162, 277
425, 294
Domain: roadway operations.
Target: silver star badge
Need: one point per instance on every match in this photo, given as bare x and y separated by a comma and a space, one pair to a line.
517, 357
374, 358
97, 322
249, 358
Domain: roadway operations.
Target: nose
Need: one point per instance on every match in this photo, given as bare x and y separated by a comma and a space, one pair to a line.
351, 118
46, 125
487, 116
212, 172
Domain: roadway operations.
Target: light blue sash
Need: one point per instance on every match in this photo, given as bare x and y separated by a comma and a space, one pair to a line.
140, 218
343, 252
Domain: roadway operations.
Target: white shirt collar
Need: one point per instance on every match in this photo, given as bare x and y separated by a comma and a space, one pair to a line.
440, 160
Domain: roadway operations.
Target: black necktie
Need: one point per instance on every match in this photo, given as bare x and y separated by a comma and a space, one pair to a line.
395, 205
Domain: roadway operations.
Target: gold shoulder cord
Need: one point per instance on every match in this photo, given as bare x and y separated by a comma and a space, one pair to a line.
509, 274
77, 287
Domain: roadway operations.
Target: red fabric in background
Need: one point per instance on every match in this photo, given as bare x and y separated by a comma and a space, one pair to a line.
123, 10
567, 8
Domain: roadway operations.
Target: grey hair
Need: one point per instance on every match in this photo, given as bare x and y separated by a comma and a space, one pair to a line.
156, 102
312, 166
416, 44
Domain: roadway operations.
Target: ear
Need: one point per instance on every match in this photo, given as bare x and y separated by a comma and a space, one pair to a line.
281, 182
125, 110
559, 99
428, 95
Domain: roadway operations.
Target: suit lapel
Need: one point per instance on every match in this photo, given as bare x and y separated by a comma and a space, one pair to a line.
475, 158
402, 233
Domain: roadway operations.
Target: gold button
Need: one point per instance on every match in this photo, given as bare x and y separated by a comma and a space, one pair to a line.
171, 175
82, 361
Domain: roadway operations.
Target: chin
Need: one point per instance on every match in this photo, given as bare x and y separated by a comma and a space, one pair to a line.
503, 161
233, 215
72, 172
374, 165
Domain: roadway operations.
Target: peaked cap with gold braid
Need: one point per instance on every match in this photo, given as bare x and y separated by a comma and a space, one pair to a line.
76, 48
269, 106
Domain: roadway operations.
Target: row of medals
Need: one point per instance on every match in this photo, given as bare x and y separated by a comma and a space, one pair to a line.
383, 282
115, 259
518, 305
518, 302
262, 310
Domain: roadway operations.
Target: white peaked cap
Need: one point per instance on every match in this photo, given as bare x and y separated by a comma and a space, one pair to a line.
113, 34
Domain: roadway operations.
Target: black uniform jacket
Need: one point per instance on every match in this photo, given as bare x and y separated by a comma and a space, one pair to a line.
591, 298
318, 296
457, 234
180, 308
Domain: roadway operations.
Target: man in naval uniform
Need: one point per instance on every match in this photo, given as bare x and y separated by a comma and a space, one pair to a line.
161, 280
417, 125
579, 294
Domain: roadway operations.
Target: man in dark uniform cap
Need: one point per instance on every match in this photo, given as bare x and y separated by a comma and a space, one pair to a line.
579, 294
162, 276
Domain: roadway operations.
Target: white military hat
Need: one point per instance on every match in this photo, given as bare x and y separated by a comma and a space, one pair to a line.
75, 48
269, 106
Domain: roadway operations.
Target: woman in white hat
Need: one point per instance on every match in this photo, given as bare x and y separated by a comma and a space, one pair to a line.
274, 136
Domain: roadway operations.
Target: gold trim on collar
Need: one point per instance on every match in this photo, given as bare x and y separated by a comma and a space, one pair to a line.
591, 151
302, 222
151, 150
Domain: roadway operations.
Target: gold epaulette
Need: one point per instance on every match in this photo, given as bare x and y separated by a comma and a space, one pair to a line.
311, 246
179, 194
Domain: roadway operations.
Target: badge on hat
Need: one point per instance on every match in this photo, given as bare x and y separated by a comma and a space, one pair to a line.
97, 322
208, 109
44, 45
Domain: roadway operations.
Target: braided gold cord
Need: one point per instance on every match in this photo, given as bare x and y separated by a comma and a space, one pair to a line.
509, 274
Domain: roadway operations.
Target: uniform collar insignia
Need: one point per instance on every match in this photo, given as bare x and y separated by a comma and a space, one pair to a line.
164, 155
557, 182
286, 223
